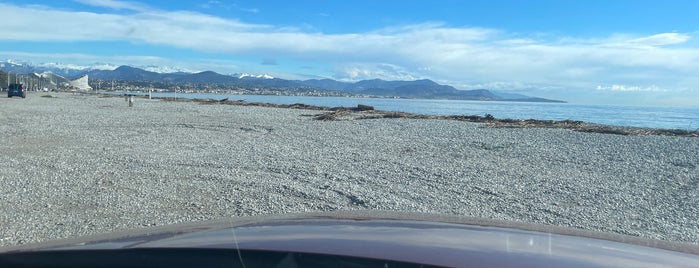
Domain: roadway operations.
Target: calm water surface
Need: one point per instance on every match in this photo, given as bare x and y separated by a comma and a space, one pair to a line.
671, 117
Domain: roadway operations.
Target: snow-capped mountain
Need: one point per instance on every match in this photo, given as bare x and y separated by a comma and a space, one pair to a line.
260, 76
74, 70
61, 66
11, 62
166, 69
67, 70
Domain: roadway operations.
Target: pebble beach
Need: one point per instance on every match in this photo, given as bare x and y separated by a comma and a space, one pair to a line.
81, 164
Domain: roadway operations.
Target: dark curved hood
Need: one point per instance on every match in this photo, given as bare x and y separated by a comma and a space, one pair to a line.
404, 237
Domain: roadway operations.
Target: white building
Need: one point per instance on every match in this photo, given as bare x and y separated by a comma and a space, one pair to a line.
80, 84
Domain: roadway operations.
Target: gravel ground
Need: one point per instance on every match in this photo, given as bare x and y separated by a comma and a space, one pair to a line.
76, 164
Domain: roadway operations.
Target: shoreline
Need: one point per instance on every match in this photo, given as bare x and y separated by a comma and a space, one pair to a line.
368, 112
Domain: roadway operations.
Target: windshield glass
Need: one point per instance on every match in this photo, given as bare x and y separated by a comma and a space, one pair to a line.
581, 114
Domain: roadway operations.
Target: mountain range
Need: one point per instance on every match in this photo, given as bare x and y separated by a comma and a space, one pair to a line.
419, 89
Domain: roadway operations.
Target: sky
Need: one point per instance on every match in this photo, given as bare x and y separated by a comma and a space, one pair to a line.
638, 52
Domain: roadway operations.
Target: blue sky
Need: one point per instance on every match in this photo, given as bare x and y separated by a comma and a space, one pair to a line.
620, 52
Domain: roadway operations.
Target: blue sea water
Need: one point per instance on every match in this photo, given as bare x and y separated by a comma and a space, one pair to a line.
668, 117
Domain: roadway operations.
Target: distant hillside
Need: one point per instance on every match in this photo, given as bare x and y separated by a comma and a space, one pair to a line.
64, 70
207, 77
126, 73
327, 84
418, 89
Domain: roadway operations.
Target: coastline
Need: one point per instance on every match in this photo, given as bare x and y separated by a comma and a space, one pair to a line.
355, 113
85, 164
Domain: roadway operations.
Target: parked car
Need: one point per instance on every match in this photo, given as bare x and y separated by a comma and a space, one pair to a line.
17, 90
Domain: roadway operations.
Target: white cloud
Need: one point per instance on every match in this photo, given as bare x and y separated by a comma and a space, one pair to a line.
652, 88
364, 71
228, 6
114, 4
251, 10
661, 39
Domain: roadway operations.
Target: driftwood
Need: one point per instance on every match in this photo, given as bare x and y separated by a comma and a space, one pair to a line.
363, 112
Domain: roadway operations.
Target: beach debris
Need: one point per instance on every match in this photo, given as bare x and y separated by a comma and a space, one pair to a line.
362, 107
363, 112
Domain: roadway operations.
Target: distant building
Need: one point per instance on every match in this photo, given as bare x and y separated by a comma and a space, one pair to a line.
51, 81
80, 84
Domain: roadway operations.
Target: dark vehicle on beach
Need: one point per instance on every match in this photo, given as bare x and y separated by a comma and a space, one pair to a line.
17, 90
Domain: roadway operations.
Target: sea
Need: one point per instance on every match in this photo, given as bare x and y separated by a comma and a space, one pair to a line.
666, 117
